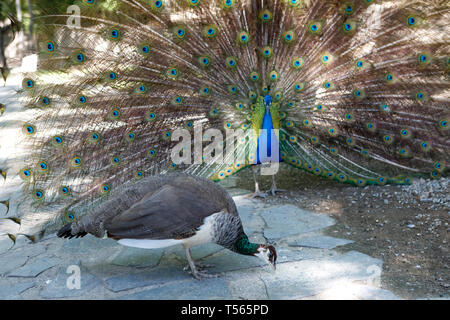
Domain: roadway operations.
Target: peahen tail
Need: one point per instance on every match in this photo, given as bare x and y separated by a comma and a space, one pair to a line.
360, 94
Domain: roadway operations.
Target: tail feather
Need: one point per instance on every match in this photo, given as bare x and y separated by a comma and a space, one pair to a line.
66, 232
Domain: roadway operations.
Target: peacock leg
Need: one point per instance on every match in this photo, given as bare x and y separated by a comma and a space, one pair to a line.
274, 188
196, 273
257, 192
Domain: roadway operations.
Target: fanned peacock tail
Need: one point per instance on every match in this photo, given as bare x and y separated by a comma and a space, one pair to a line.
360, 92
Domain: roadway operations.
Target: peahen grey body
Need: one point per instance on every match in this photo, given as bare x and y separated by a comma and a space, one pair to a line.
167, 210
358, 92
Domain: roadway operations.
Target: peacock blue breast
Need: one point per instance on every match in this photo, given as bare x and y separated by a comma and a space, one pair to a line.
267, 139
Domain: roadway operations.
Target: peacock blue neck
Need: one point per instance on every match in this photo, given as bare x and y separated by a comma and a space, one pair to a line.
268, 130
244, 246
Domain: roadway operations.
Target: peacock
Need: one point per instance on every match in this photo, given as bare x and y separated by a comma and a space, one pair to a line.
355, 91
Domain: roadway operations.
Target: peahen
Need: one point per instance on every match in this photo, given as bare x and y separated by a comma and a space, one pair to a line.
355, 91
160, 212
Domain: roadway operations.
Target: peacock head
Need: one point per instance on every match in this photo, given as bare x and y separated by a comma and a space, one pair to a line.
268, 254
267, 100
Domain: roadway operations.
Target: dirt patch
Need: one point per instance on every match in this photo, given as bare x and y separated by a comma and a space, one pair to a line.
405, 226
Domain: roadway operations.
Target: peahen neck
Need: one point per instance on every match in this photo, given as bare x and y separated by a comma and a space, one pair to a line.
244, 246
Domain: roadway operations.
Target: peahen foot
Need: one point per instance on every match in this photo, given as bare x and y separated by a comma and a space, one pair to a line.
196, 270
199, 275
199, 266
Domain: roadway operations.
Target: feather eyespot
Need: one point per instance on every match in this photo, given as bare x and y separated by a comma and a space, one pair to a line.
232, 89
204, 61
79, 57
139, 174
112, 75
294, 3
388, 139
115, 34
64, 190
243, 37
145, 50
424, 58
231, 62
57, 141
150, 116
365, 152
273, 76
25, 173
330, 175
267, 52
43, 166
38, 194
142, 89
425, 146
254, 76
105, 189
115, 161
299, 86
114, 114
297, 62
28, 84
76, 162
288, 36
29, 129
265, 16
177, 101
210, 31
69, 216
239, 106
205, 91
50, 46
315, 27
227, 3
180, 33
214, 112
326, 59
443, 124
45, 101
130, 136
332, 132
156, 4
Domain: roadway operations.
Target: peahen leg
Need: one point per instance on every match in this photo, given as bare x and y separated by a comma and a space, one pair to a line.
257, 192
196, 273
274, 188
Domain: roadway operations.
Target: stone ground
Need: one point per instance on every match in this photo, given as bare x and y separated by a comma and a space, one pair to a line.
312, 262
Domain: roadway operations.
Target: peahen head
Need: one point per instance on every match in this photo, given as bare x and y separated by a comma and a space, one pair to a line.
265, 252
268, 254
